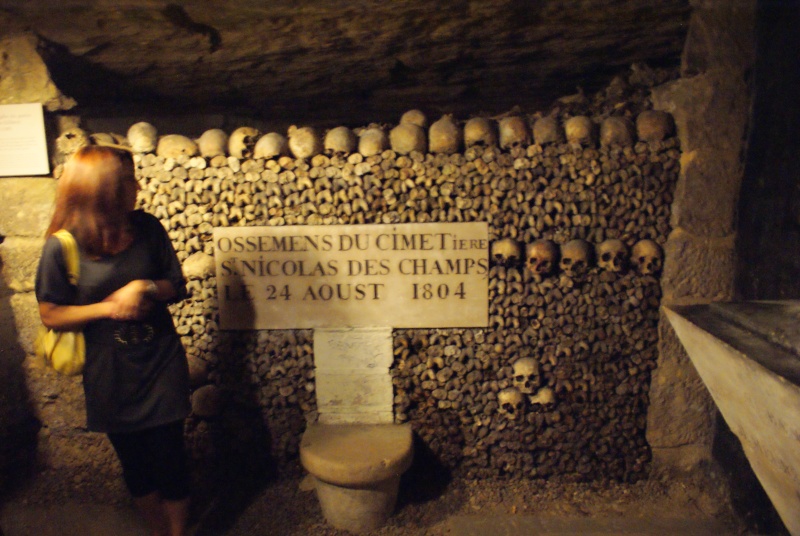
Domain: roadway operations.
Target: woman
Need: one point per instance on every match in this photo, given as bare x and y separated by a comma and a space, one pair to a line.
136, 375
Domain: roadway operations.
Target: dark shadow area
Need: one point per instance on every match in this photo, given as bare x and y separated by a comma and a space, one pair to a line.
233, 462
426, 479
19, 426
79, 78
235, 474
748, 498
768, 226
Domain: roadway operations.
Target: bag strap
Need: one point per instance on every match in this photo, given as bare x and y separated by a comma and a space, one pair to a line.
69, 248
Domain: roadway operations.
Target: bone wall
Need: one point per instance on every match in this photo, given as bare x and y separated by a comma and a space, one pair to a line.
591, 338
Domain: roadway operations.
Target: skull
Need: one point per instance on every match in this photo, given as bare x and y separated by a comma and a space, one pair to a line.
372, 141
511, 403
304, 142
579, 130
213, 142
70, 141
546, 130
242, 142
513, 132
104, 138
120, 139
340, 141
654, 125
175, 145
616, 130
445, 136
142, 137
526, 375
407, 137
506, 251
647, 257
479, 131
414, 117
271, 145
543, 396
541, 257
612, 255
576, 257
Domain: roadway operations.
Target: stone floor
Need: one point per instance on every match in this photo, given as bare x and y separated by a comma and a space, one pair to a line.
70, 519
94, 520
288, 507
549, 526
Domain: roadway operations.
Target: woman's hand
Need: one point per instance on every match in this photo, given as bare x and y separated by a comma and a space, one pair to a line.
131, 302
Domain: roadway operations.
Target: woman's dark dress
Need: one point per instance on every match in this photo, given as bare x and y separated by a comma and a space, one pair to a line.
136, 375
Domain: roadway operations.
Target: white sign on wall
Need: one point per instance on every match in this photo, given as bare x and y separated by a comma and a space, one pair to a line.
23, 146
328, 276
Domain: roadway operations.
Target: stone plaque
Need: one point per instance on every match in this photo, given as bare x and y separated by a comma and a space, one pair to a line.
404, 276
23, 148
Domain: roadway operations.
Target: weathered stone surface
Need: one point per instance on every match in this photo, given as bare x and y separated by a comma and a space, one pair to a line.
697, 268
13, 395
27, 206
680, 422
715, 36
715, 172
353, 383
759, 405
361, 349
359, 62
25, 317
24, 77
710, 106
356, 455
699, 105
63, 450
19, 258
772, 321
59, 403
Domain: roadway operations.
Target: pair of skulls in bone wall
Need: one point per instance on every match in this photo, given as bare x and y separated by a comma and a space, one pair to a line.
574, 258
646, 257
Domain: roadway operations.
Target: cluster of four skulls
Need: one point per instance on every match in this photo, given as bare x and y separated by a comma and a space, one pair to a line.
574, 258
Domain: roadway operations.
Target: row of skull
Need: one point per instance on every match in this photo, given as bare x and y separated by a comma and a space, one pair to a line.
446, 136
574, 258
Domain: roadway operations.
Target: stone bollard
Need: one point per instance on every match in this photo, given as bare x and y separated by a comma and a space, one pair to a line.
357, 469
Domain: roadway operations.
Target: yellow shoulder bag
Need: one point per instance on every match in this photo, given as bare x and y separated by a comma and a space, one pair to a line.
65, 351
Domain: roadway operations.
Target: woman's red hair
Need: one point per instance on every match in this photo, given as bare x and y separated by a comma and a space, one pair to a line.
91, 198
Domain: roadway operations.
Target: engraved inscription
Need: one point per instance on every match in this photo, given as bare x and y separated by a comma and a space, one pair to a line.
411, 275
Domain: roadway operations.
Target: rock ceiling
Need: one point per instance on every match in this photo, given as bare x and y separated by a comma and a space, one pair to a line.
331, 60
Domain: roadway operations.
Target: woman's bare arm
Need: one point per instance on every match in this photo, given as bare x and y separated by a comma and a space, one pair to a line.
73, 317
131, 302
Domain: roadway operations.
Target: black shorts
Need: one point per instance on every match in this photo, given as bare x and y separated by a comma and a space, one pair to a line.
154, 460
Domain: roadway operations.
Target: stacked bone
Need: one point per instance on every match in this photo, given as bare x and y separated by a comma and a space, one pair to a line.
562, 375
588, 330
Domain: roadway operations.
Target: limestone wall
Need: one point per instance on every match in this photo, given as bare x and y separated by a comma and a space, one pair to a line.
711, 106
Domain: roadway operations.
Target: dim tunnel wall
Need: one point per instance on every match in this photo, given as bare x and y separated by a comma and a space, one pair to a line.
264, 376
